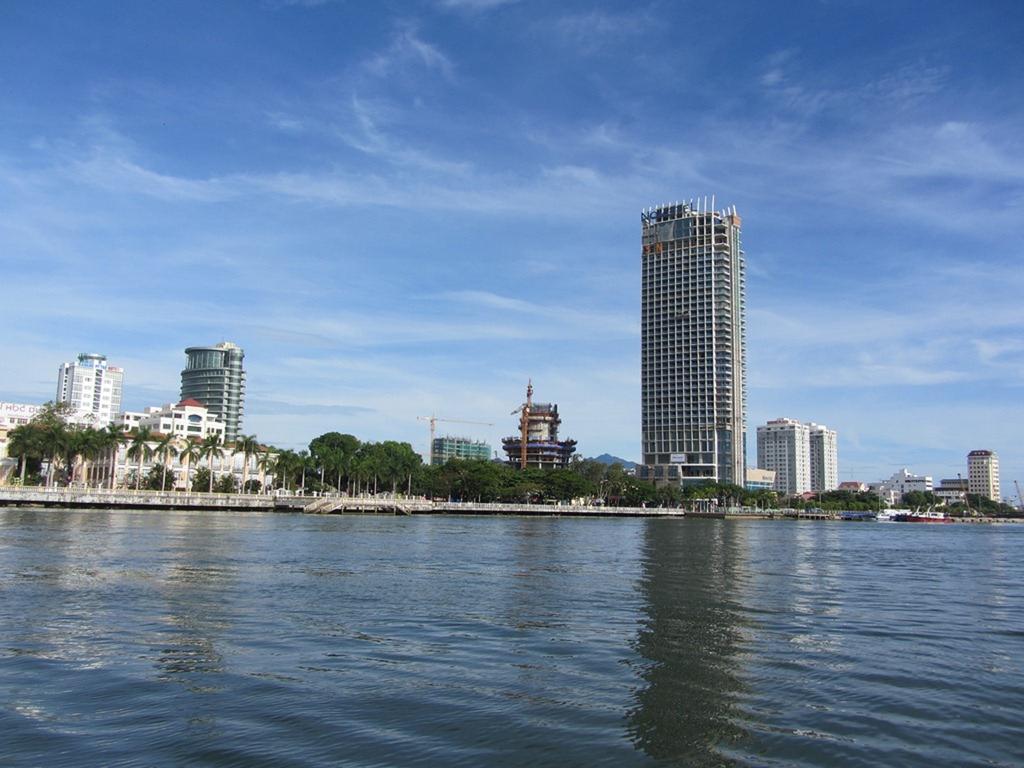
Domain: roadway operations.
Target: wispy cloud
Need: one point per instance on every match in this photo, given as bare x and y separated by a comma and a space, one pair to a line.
408, 49
474, 5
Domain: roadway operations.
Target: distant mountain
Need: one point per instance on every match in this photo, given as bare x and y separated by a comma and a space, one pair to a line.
607, 458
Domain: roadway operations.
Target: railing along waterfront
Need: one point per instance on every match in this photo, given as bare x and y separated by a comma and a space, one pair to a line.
384, 503
91, 497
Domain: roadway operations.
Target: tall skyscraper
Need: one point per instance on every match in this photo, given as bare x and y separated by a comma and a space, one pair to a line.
693, 348
92, 388
983, 474
214, 376
784, 446
824, 458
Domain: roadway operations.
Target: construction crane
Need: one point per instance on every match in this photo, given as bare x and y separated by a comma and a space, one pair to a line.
433, 428
1020, 499
524, 422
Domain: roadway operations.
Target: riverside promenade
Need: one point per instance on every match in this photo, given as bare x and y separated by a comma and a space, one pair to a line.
94, 498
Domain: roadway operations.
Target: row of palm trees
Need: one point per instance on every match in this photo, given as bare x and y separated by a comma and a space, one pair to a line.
49, 440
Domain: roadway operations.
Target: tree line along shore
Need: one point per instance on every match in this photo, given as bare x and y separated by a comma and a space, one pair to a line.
52, 452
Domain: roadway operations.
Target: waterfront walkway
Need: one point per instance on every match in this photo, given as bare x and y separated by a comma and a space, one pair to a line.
101, 498
94, 498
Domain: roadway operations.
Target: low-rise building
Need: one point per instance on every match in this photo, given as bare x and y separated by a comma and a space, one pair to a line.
760, 479
12, 415
180, 470
854, 486
449, 447
952, 491
15, 414
189, 418
902, 482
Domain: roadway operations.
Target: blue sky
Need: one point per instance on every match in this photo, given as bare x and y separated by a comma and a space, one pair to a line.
406, 208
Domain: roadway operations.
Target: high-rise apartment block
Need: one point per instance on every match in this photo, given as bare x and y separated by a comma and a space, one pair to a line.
803, 456
92, 388
983, 474
824, 458
692, 341
215, 378
784, 446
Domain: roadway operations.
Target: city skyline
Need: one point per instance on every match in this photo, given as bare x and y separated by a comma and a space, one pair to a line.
394, 210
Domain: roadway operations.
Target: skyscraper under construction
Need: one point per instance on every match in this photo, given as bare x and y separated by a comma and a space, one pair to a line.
693, 349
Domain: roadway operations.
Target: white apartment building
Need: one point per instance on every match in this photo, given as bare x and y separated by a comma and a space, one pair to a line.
784, 447
983, 474
824, 458
902, 482
189, 418
92, 388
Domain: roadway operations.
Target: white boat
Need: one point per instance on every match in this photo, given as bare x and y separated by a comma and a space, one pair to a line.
892, 515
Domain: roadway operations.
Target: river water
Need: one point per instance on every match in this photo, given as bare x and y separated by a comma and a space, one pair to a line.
141, 638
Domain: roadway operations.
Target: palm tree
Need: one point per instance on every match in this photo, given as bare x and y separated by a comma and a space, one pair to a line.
284, 466
267, 462
304, 463
110, 440
190, 453
86, 445
139, 449
24, 442
212, 447
166, 448
248, 446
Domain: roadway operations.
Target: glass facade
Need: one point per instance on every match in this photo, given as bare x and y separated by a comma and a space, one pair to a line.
215, 377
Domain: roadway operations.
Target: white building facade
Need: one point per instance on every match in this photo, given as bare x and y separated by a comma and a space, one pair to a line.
983, 474
824, 458
92, 388
783, 446
892, 490
189, 418
12, 415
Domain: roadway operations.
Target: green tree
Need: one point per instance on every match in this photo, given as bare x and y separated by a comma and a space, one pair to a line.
140, 449
190, 452
212, 447
336, 452
166, 448
26, 443
202, 479
226, 483
267, 464
109, 441
248, 446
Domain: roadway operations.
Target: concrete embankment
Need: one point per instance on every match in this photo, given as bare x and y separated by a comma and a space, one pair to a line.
93, 498
101, 498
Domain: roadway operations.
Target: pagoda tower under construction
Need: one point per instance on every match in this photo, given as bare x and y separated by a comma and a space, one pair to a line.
537, 445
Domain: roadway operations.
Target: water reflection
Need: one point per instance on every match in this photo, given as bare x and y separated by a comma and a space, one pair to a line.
199, 573
691, 638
